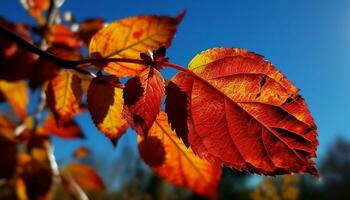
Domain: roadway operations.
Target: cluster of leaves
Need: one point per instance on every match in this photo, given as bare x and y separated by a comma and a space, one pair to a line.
230, 107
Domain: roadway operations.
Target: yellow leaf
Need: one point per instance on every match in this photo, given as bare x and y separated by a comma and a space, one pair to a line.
64, 94
16, 94
127, 38
169, 158
105, 103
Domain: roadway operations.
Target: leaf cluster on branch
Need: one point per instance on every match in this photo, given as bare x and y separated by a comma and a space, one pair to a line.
230, 107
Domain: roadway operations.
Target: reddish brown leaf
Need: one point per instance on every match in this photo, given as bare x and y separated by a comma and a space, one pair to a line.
176, 109
129, 37
85, 176
7, 158
6, 127
105, 103
15, 62
245, 114
171, 159
81, 152
66, 130
16, 93
64, 93
142, 111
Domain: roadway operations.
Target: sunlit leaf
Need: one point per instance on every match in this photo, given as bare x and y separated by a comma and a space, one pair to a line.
16, 93
245, 114
85, 176
61, 34
127, 38
105, 103
64, 93
178, 164
67, 129
36, 9
143, 97
81, 152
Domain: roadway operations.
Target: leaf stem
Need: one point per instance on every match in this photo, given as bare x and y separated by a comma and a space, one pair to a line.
175, 66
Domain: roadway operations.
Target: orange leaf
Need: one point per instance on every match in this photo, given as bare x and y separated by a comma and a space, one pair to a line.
143, 97
81, 152
105, 103
16, 94
6, 127
85, 176
171, 159
61, 34
64, 93
36, 9
245, 114
67, 129
128, 37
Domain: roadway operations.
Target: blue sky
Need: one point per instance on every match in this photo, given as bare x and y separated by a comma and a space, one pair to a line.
309, 41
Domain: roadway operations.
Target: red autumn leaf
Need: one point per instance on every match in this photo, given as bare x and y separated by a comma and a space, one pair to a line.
66, 130
81, 152
85, 176
64, 93
105, 103
61, 34
143, 97
171, 159
176, 109
245, 114
127, 38
16, 93
8, 157
15, 62
44, 69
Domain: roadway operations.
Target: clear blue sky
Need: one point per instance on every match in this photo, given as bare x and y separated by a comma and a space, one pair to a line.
308, 40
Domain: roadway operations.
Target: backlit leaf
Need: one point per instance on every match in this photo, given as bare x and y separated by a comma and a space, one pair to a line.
36, 9
105, 103
61, 34
143, 96
127, 38
64, 93
178, 164
16, 93
245, 114
85, 176
81, 152
67, 129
